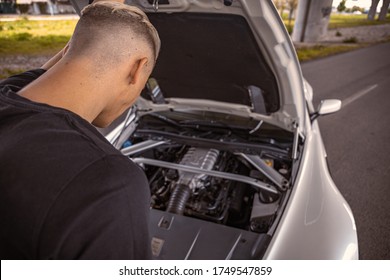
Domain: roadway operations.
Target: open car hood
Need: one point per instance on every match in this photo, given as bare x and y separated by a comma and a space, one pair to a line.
236, 58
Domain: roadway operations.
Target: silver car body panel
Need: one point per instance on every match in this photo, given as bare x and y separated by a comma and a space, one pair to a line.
317, 222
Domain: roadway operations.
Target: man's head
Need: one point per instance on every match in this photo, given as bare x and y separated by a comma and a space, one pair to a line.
116, 28
119, 42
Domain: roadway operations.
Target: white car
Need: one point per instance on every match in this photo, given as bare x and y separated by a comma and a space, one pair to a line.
228, 138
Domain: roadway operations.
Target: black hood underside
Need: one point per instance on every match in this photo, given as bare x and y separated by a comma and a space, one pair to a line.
211, 56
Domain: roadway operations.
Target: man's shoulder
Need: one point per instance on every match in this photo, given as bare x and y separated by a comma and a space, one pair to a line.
65, 132
18, 81
111, 170
50, 148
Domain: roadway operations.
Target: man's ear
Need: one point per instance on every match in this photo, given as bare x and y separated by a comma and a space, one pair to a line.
137, 70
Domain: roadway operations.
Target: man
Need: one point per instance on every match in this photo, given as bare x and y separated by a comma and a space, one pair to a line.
65, 192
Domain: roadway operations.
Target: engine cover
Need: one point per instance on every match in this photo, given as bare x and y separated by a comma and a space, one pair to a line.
200, 158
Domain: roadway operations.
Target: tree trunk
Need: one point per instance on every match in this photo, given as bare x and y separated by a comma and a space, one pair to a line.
290, 16
383, 12
311, 23
372, 11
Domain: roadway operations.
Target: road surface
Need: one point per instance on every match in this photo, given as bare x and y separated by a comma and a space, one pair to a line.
357, 138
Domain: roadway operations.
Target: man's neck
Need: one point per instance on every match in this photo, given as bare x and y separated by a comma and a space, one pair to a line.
65, 86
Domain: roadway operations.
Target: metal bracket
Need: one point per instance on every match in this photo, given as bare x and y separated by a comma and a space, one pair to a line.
155, 5
268, 171
235, 177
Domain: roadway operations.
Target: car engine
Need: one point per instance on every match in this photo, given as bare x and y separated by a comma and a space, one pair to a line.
220, 186
208, 183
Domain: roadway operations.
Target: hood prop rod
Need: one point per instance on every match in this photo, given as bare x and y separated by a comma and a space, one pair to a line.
294, 154
155, 5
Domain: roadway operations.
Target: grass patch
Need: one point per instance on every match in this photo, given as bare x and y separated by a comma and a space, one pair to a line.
24, 43
351, 20
38, 27
308, 53
344, 20
35, 36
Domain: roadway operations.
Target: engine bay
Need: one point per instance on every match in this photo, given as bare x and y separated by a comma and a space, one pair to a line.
211, 171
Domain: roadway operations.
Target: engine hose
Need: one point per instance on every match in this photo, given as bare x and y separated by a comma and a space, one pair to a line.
178, 200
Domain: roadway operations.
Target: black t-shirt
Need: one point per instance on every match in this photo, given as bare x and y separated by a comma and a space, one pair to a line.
65, 192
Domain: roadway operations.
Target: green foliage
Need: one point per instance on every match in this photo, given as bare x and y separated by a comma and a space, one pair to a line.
357, 9
289, 29
341, 7
24, 36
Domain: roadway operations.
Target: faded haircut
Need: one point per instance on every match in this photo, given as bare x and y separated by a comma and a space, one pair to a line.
118, 22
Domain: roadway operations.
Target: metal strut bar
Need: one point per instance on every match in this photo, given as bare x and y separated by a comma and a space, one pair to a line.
240, 178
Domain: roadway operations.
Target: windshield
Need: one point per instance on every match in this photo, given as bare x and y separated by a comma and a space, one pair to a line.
211, 56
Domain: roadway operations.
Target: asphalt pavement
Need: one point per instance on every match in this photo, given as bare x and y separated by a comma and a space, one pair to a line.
357, 138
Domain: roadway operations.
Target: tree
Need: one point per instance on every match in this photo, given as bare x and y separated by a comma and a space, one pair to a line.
384, 10
312, 20
372, 11
341, 7
280, 5
357, 9
291, 5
